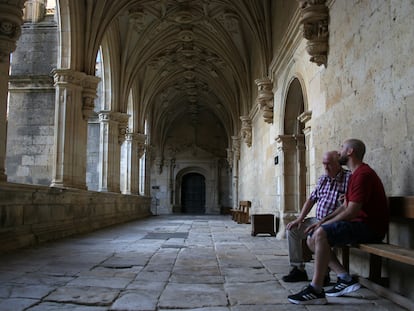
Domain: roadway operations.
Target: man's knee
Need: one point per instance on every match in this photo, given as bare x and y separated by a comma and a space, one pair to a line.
310, 241
319, 235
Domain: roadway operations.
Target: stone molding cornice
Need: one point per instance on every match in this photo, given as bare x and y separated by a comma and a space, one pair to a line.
30, 83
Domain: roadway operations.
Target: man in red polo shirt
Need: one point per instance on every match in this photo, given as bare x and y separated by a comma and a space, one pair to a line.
363, 218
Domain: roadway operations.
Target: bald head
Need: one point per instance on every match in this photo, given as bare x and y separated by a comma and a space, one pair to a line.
331, 164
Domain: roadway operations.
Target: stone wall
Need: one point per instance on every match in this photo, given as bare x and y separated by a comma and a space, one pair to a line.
368, 84
365, 91
32, 105
34, 214
369, 89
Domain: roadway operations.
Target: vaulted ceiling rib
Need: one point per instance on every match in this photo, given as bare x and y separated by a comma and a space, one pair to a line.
179, 54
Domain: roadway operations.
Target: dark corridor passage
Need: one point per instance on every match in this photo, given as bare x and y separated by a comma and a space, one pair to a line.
193, 194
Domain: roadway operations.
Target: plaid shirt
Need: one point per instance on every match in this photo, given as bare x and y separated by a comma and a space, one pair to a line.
328, 191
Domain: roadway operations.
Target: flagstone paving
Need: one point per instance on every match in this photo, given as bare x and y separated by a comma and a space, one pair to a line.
193, 263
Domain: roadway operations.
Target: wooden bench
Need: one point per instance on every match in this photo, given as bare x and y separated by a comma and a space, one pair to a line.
401, 209
242, 214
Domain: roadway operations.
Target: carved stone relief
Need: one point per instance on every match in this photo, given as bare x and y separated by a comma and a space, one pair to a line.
315, 19
90, 84
265, 98
246, 130
11, 18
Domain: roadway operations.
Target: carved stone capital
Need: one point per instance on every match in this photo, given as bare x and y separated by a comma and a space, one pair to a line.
122, 119
68, 77
315, 19
265, 98
139, 139
246, 130
159, 162
236, 147
11, 19
230, 157
285, 142
90, 84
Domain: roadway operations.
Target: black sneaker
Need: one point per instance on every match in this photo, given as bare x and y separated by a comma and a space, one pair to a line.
308, 296
341, 288
296, 275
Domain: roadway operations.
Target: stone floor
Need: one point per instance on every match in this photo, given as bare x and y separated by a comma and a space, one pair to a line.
204, 263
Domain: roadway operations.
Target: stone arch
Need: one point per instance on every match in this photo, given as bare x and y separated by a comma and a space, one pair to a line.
293, 148
211, 183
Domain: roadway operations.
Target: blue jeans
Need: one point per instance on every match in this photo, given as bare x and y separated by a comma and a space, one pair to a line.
342, 233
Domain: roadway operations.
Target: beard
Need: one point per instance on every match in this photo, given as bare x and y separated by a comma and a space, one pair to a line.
343, 160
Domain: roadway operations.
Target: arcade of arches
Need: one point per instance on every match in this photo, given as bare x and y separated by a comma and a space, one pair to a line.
113, 110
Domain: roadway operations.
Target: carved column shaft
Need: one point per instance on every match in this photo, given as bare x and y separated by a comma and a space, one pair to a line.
112, 134
11, 18
134, 149
70, 138
286, 146
236, 158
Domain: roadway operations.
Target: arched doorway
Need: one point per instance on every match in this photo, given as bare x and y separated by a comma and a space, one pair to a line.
193, 194
293, 147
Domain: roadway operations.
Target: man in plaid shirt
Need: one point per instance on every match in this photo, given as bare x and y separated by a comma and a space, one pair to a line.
328, 195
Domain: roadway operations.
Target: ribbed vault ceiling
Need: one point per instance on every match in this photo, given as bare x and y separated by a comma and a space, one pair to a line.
183, 57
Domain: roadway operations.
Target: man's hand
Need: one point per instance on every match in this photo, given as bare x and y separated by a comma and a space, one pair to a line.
313, 227
296, 223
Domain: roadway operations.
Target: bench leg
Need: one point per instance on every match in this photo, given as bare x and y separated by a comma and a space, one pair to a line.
345, 257
375, 268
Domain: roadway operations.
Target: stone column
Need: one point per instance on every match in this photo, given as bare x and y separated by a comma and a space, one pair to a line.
113, 130
306, 118
301, 169
134, 149
11, 18
236, 158
286, 145
71, 126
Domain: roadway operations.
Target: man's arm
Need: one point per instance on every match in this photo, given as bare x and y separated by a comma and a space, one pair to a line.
341, 213
346, 213
307, 206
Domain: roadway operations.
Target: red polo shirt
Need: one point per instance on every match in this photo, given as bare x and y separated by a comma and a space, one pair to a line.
366, 188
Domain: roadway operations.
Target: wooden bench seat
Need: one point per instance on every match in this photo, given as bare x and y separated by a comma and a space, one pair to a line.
389, 251
400, 208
